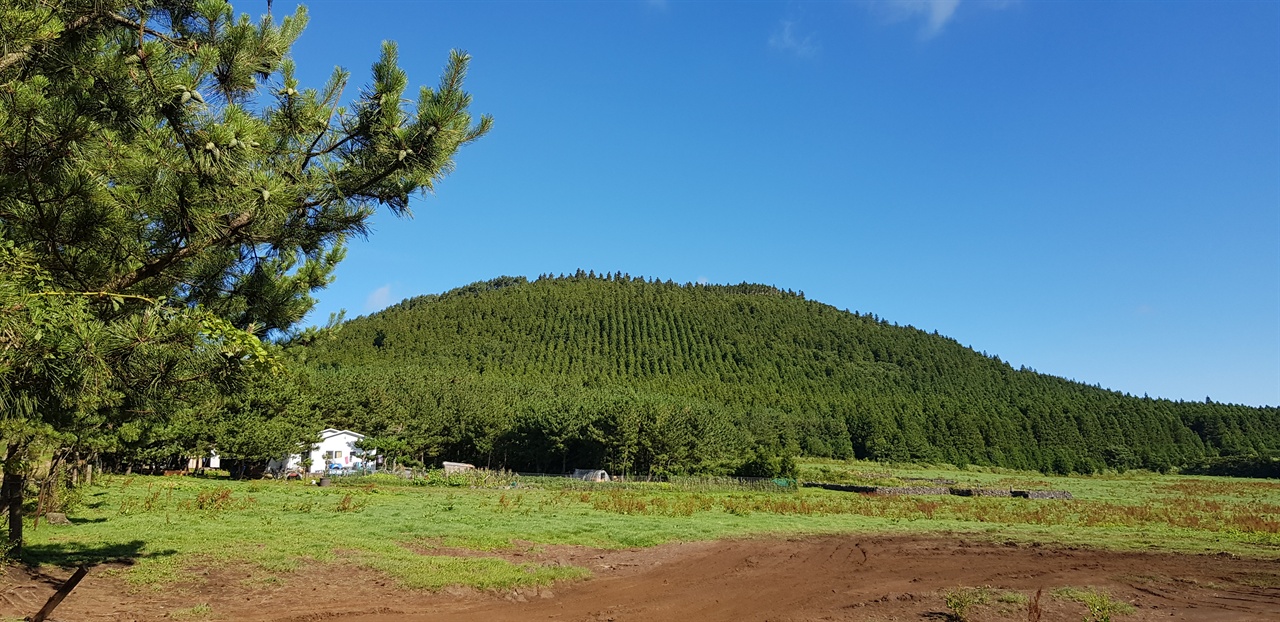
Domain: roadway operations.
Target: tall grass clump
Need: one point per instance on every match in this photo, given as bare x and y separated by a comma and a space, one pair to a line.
1101, 605
962, 600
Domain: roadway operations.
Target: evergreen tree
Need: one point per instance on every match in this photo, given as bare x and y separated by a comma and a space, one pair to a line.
652, 378
162, 170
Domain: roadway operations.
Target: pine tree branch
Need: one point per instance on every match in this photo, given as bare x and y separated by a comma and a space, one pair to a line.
32, 184
95, 295
13, 58
142, 28
158, 266
330, 100
311, 153
369, 183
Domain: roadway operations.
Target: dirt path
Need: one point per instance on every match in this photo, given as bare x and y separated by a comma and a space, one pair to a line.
816, 578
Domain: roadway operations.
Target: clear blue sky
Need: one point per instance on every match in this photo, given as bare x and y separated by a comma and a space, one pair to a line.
1091, 189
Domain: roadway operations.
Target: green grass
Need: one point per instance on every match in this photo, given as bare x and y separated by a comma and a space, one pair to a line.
202, 610
1102, 607
961, 601
1261, 579
168, 525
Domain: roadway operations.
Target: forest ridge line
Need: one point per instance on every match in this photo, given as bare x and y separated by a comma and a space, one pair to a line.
578, 368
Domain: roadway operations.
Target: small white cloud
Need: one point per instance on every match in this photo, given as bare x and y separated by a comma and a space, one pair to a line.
787, 38
702, 280
658, 5
935, 14
1144, 309
378, 299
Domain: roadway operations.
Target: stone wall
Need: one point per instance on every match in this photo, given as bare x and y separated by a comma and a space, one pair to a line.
942, 490
1042, 494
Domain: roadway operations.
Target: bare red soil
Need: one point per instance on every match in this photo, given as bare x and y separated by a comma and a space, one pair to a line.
813, 578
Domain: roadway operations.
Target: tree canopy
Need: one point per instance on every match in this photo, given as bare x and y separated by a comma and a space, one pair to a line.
647, 376
173, 195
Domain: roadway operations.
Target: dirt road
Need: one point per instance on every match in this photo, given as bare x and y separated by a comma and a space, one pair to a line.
814, 578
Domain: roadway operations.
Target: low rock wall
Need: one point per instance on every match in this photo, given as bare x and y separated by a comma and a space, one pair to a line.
839, 487
941, 490
912, 490
982, 492
1042, 494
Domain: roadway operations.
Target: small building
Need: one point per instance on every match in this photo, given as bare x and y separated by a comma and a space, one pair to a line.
590, 475
457, 467
211, 461
336, 449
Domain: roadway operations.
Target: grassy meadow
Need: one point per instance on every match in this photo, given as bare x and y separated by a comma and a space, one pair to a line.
168, 525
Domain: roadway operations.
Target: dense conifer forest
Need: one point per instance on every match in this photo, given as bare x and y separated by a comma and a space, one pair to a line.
648, 377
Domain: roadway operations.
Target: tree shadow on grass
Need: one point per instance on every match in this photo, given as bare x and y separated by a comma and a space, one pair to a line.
86, 521
68, 554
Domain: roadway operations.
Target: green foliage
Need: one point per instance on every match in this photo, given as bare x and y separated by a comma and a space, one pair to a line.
170, 197
1237, 466
962, 600
1101, 605
764, 465
647, 378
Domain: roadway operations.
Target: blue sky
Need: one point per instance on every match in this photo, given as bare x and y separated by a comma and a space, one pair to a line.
1090, 189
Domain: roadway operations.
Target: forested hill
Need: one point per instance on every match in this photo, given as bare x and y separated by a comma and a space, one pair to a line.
645, 376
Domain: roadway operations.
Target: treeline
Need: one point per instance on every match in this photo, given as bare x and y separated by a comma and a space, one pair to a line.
1237, 466
643, 376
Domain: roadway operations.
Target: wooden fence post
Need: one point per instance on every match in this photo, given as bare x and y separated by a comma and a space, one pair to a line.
62, 592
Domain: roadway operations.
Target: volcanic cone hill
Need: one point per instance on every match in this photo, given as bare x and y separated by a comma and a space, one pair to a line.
645, 377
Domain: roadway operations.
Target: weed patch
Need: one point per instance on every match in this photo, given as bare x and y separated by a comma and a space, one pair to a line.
961, 601
351, 504
202, 610
1102, 607
1260, 579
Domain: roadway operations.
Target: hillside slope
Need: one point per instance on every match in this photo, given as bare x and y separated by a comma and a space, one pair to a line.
646, 376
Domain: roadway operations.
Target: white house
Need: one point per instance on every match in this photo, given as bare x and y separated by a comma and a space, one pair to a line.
337, 448
212, 461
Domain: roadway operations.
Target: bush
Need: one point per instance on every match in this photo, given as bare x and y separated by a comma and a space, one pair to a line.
762, 465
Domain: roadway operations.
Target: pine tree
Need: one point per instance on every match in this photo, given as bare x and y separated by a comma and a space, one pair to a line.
161, 165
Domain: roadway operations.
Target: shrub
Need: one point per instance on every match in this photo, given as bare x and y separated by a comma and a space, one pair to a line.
1101, 605
962, 599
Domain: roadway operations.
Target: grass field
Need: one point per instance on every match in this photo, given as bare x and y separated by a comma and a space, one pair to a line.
168, 525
